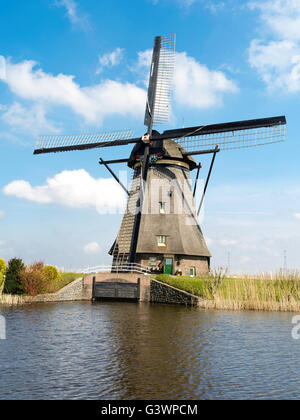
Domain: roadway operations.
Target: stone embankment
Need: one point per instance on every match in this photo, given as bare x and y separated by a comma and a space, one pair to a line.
82, 289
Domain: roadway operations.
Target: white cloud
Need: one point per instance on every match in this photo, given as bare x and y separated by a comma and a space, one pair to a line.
71, 8
227, 242
278, 60
2, 67
212, 5
2, 214
5, 135
93, 103
281, 17
91, 248
110, 59
209, 241
195, 85
245, 259
297, 215
31, 119
77, 189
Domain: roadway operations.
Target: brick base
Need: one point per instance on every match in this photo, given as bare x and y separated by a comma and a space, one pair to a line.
182, 263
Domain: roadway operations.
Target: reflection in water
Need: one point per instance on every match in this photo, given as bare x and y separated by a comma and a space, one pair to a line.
141, 351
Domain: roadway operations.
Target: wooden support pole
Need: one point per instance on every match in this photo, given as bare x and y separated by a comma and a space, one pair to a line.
102, 162
197, 176
208, 177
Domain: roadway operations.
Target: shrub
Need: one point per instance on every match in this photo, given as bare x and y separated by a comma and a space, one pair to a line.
53, 277
52, 273
12, 279
2, 271
2, 266
33, 279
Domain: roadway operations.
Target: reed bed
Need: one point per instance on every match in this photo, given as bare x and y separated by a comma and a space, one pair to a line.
10, 300
282, 293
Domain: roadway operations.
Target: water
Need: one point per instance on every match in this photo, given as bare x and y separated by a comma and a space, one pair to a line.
141, 351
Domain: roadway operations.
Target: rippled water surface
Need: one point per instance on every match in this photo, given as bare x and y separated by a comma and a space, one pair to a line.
116, 350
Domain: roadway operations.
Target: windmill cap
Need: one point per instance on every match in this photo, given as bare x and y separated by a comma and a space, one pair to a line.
168, 149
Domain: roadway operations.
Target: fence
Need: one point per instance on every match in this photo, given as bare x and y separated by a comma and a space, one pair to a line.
124, 268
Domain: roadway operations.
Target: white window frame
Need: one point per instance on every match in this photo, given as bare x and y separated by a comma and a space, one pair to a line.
162, 207
161, 240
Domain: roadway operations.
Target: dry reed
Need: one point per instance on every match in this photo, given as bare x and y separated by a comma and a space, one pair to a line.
281, 293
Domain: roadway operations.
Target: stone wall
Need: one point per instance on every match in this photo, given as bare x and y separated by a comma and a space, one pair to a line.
71, 292
81, 289
163, 293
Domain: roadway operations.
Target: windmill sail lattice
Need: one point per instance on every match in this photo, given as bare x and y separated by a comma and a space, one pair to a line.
237, 139
158, 103
63, 143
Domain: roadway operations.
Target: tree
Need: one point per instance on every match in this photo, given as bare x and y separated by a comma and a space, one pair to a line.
53, 277
12, 279
2, 272
33, 279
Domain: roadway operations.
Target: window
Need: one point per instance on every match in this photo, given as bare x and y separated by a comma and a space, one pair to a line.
162, 207
192, 271
153, 261
161, 240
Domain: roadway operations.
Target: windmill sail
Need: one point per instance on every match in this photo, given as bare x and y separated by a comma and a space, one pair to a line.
228, 136
235, 139
160, 81
65, 143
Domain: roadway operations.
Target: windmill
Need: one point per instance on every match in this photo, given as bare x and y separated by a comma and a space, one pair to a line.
153, 231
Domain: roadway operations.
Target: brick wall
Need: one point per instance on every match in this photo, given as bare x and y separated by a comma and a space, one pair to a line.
201, 264
120, 278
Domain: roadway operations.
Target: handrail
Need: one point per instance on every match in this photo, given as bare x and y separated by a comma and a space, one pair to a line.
124, 268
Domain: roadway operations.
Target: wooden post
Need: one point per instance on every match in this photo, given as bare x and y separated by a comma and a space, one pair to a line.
139, 288
94, 288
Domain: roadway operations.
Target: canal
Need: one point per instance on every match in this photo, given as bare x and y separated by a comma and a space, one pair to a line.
117, 350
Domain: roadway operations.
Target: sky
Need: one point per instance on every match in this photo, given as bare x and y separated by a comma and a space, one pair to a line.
74, 66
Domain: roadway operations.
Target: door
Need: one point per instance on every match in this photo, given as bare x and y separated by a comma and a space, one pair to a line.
168, 266
192, 271
116, 290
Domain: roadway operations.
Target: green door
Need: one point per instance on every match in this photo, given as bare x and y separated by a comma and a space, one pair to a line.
168, 266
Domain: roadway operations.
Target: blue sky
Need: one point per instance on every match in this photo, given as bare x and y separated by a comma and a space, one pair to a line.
71, 66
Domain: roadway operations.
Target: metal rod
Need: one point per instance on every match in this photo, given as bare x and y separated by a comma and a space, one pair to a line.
113, 174
197, 176
200, 152
108, 162
208, 177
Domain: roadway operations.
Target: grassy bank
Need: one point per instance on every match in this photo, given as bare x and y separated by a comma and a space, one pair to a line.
217, 292
64, 280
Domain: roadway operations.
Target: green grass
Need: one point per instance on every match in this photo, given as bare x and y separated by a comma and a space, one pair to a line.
197, 285
65, 279
280, 293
